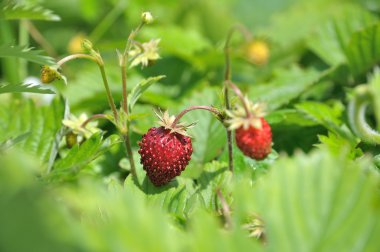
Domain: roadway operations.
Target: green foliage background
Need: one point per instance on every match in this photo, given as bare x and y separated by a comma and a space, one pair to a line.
317, 191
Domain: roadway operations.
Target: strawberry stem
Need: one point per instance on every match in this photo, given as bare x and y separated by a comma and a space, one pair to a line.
123, 59
227, 77
93, 117
98, 60
128, 148
182, 113
76, 56
241, 97
123, 65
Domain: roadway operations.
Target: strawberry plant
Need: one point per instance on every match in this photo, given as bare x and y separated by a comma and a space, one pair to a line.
174, 129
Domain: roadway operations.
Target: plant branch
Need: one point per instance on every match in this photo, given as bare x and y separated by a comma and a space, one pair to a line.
182, 113
123, 59
93, 117
76, 56
227, 78
128, 148
123, 65
241, 97
108, 91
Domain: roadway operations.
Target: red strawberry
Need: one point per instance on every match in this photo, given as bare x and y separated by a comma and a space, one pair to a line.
255, 142
164, 154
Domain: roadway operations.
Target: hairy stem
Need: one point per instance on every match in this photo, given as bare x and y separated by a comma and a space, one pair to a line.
241, 97
124, 83
227, 79
76, 56
123, 59
128, 148
93, 117
108, 91
123, 64
98, 60
211, 109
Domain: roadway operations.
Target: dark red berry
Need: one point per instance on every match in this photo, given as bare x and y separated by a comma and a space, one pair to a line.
164, 155
255, 142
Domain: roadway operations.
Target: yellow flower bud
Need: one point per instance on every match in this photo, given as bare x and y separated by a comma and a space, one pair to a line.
75, 44
257, 52
147, 17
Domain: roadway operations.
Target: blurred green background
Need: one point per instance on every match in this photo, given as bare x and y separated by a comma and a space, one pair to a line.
53, 198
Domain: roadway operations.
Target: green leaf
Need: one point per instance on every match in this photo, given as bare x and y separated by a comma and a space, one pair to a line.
332, 39
42, 122
25, 53
139, 89
329, 117
12, 141
362, 51
215, 176
81, 155
287, 85
335, 142
19, 11
25, 88
319, 202
285, 26
289, 116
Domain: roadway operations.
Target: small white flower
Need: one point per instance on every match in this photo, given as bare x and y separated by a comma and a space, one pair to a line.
147, 52
75, 124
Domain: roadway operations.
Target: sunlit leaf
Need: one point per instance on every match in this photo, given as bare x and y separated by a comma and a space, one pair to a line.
42, 123
25, 88
287, 84
332, 39
139, 89
305, 206
19, 11
329, 117
362, 50
25, 53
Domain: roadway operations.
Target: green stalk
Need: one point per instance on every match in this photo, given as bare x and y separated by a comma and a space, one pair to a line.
98, 60
23, 41
123, 59
227, 80
183, 112
227, 77
10, 65
111, 102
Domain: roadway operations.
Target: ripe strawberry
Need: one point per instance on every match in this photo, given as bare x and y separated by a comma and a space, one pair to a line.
165, 152
255, 142
252, 133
